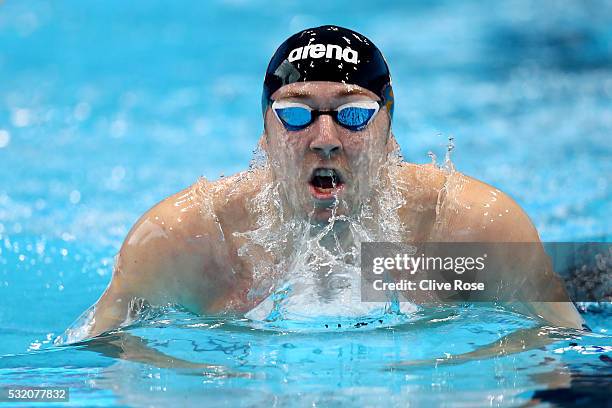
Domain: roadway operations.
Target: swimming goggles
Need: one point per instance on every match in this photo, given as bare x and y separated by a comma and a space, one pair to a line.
353, 116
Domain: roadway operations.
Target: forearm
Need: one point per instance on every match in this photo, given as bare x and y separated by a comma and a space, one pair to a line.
110, 312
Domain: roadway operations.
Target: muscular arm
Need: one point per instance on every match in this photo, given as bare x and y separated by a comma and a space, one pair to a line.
476, 212
169, 256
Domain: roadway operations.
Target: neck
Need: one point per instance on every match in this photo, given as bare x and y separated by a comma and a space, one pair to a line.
335, 236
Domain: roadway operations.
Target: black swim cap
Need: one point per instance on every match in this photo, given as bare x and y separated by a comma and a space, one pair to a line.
329, 53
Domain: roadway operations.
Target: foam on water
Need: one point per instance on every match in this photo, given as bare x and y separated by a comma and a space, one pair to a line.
317, 282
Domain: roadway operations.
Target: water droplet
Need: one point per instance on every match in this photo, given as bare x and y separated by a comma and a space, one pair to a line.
75, 196
448, 164
5, 138
21, 117
433, 157
81, 111
118, 128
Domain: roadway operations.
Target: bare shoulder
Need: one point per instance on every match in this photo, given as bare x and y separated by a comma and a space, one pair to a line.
466, 209
453, 206
175, 253
182, 247
422, 181
165, 245
419, 186
475, 211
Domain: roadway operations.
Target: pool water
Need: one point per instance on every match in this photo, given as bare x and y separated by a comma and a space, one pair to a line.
106, 109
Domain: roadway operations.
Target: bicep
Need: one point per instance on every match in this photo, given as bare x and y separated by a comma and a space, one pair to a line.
482, 213
167, 258
138, 272
134, 281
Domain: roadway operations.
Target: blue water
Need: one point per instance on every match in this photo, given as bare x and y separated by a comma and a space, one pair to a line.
108, 107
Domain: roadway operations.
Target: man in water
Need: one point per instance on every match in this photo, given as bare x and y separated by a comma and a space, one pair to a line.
331, 177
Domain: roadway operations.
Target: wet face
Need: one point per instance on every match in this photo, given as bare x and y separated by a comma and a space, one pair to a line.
326, 167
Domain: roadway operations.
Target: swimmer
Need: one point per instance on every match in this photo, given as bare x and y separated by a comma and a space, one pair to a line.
331, 163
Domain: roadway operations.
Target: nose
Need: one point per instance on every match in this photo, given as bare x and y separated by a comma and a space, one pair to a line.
325, 141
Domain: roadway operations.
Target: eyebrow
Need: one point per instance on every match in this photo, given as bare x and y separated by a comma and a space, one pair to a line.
351, 91
302, 94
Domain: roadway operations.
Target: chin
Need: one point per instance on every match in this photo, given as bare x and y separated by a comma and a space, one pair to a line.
321, 215
322, 212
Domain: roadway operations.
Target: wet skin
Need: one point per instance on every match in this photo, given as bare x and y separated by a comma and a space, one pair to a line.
185, 249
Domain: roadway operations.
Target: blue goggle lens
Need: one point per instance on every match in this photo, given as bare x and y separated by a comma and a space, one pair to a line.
294, 118
353, 116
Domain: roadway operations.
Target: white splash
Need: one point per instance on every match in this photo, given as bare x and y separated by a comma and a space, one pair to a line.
320, 279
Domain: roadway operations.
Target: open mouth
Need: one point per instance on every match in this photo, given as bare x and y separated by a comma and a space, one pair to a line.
326, 183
